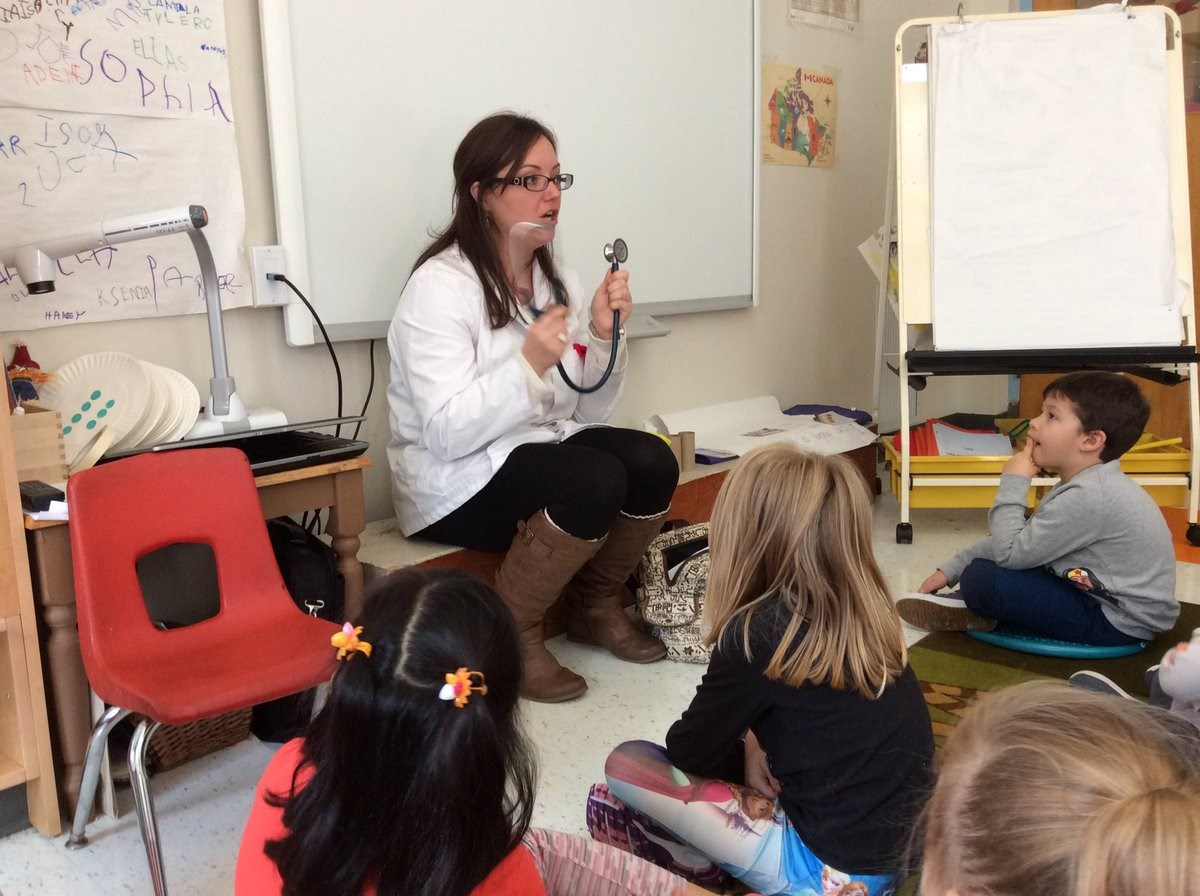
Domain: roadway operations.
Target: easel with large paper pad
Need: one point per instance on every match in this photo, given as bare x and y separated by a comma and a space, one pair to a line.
1041, 228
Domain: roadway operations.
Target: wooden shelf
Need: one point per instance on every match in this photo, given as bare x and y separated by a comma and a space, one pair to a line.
12, 772
25, 756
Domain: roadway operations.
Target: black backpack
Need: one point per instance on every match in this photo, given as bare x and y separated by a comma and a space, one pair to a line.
309, 569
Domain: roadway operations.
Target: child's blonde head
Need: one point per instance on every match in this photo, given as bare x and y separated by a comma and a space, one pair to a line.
791, 534
1049, 789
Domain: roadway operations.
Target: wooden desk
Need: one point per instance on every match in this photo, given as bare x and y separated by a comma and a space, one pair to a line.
337, 486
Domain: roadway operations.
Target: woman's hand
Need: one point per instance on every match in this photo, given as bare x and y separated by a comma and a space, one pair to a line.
613, 295
547, 339
758, 772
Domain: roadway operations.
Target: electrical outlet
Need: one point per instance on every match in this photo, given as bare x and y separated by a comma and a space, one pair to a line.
268, 260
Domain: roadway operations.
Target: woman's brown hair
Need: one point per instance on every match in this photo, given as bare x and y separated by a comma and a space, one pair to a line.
489, 153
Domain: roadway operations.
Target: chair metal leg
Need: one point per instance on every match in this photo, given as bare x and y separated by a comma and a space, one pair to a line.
91, 774
144, 801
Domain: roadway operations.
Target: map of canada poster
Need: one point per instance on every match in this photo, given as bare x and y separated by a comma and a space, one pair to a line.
799, 116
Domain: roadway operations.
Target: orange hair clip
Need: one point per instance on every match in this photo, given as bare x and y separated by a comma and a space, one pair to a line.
460, 684
348, 642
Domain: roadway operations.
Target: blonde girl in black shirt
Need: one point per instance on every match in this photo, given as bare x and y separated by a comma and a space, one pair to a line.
808, 699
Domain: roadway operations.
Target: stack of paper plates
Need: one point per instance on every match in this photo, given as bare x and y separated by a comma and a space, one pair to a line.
135, 403
180, 410
105, 390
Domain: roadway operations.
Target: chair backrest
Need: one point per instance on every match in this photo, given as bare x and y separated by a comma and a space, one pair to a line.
123, 510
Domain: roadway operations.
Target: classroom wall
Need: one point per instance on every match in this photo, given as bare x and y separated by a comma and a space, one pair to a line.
811, 339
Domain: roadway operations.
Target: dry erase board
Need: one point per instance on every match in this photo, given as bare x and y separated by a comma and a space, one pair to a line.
652, 103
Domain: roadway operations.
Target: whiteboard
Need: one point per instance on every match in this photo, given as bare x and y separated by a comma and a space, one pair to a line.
653, 105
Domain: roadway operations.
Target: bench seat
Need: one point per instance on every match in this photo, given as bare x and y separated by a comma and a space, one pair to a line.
384, 549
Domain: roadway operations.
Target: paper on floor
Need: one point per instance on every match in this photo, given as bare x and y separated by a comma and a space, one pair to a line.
739, 426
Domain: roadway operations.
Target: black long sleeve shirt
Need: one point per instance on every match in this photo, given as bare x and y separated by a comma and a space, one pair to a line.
853, 771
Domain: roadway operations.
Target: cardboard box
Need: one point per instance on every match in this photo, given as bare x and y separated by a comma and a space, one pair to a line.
38, 444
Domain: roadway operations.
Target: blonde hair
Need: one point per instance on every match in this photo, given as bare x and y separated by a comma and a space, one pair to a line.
1049, 789
791, 534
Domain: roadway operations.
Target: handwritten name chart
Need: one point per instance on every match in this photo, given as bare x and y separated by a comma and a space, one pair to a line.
111, 108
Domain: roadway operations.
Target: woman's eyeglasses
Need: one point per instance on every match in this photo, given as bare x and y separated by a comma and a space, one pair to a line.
537, 183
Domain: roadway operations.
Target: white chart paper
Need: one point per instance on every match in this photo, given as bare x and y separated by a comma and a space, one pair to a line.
740, 426
1050, 184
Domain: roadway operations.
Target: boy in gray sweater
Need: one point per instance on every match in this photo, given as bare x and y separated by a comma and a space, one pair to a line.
1094, 563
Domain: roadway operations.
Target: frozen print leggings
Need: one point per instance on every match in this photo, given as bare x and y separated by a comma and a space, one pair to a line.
703, 829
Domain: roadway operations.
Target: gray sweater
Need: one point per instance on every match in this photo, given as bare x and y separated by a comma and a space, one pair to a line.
1102, 522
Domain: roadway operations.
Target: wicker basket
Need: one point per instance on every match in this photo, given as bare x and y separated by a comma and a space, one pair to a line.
174, 745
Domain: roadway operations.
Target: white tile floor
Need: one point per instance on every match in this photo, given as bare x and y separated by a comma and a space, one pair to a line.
203, 804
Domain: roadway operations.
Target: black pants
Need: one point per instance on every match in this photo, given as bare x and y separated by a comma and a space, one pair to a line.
581, 483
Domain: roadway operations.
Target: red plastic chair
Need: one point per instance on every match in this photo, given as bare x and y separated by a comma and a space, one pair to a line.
259, 646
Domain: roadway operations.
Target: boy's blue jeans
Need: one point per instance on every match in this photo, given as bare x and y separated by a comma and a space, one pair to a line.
1038, 602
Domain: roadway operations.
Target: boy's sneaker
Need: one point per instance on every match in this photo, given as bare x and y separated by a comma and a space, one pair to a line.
941, 613
1101, 684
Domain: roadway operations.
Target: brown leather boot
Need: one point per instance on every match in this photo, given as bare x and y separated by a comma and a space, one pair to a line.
595, 613
541, 560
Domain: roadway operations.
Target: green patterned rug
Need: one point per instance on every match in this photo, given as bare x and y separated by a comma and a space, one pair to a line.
955, 669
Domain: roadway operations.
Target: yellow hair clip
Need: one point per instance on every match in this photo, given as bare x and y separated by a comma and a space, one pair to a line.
460, 684
347, 641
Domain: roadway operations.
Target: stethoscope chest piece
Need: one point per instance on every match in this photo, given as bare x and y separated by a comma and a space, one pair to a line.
616, 252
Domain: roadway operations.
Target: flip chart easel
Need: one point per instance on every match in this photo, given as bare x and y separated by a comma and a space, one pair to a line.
918, 355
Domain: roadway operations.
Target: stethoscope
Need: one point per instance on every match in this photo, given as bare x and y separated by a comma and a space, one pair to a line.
615, 253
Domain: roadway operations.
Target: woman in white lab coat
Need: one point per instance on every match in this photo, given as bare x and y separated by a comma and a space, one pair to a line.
490, 448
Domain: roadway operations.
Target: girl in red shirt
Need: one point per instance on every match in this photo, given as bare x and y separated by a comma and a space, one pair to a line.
416, 777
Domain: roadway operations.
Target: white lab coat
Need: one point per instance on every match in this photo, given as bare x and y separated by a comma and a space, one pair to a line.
461, 396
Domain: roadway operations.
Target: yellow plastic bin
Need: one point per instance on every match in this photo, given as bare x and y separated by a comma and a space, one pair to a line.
1161, 458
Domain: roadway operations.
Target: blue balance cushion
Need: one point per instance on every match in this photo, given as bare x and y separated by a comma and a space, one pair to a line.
1023, 642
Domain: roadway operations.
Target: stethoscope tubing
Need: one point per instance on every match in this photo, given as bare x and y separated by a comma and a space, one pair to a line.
560, 298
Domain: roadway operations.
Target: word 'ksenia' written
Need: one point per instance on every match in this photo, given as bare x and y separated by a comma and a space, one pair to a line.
147, 292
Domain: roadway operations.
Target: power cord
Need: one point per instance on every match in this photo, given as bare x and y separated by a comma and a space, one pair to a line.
370, 388
337, 368
316, 523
